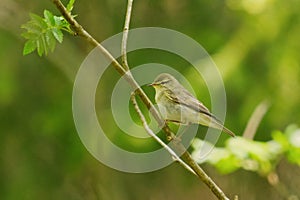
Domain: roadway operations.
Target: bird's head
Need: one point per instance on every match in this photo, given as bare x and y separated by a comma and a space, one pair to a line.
164, 81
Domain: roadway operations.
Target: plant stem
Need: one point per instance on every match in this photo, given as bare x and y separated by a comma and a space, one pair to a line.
152, 134
125, 35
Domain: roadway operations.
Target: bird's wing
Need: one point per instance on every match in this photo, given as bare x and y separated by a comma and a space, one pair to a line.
185, 98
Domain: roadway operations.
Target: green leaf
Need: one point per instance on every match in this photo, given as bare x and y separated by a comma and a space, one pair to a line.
32, 27
49, 18
70, 5
51, 42
58, 34
29, 47
281, 139
39, 21
293, 134
40, 49
228, 165
43, 33
44, 45
63, 24
29, 35
59, 21
293, 155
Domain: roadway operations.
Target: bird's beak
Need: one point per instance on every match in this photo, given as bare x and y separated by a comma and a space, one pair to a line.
151, 84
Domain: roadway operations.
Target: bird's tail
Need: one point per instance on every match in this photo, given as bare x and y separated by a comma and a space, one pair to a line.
217, 124
214, 122
226, 130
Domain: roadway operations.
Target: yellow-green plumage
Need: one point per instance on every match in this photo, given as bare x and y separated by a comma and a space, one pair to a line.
176, 104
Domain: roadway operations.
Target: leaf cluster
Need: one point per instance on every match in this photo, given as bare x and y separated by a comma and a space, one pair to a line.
42, 33
251, 155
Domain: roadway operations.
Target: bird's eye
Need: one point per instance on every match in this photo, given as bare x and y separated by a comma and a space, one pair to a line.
164, 82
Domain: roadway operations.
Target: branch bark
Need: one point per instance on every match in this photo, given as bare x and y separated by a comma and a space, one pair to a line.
152, 134
79, 30
125, 35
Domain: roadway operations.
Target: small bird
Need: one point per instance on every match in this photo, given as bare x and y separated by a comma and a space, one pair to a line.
178, 105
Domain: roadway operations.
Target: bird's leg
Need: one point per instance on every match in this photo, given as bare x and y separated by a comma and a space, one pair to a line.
179, 135
174, 138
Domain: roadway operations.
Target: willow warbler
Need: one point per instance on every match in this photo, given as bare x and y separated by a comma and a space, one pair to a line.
178, 105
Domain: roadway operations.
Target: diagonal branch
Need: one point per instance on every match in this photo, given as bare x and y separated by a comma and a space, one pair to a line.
79, 30
150, 132
125, 36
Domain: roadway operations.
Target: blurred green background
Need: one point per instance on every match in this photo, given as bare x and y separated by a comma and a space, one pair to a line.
255, 44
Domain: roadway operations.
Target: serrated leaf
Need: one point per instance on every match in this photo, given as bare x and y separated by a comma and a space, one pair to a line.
38, 20
43, 32
29, 35
49, 17
33, 27
51, 42
29, 47
40, 49
58, 34
63, 24
44, 44
58, 21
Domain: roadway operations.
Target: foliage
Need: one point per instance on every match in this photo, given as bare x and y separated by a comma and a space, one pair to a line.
258, 57
42, 33
257, 156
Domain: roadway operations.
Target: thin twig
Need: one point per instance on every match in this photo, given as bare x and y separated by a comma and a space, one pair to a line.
255, 119
150, 132
79, 30
202, 175
125, 36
